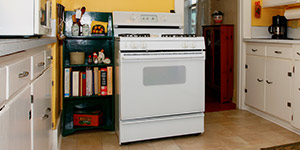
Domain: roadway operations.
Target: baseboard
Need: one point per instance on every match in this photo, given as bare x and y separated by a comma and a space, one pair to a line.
57, 136
273, 119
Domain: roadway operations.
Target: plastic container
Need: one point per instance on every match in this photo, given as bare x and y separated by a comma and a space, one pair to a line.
77, 58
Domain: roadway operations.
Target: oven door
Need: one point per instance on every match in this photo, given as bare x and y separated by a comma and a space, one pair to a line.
161, 84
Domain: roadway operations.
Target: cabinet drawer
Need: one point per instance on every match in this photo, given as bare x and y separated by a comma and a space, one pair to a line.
280, 51
2, 85
296, 52
48, 57
18, 75
37, 64
256, 49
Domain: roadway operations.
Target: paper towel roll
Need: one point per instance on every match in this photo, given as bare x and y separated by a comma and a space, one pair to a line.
292, 13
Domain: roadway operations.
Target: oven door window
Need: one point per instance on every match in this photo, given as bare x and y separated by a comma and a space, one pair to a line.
164, 75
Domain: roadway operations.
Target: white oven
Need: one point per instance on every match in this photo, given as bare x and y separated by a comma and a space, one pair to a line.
159, 77
161, 84
25, 17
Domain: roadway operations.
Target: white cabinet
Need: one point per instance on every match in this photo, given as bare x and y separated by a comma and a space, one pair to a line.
278, 87
255, 80
2, 85
296, 96
19, 121
4, 128
268, 78
274, 3
41, 111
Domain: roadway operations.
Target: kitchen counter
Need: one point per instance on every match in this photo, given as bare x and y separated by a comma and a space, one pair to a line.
10, 46
275, 41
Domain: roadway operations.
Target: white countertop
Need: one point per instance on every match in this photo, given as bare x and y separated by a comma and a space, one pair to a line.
275, 41
9, 46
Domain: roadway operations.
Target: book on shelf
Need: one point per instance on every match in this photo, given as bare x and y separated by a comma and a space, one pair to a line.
96, 80
99, 82
83, 83
89, 82
103, 81
109, 80
92, 81
67, 82
75, 83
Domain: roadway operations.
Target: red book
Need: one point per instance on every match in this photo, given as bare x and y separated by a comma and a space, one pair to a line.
103, 81
83, 84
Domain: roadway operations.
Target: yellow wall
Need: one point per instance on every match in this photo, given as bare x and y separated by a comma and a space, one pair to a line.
266, 15
120, 5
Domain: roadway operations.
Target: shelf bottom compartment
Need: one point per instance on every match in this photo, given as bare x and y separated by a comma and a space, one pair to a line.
89, 113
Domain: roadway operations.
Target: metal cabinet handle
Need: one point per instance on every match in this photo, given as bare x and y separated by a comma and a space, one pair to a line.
46, 116
260, 80
254, 50
299, 89
269, 82
278, 52
41, 64
23, 74
48, 110
298, 53
49, 57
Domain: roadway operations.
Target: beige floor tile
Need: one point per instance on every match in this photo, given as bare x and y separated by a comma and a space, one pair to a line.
225, 130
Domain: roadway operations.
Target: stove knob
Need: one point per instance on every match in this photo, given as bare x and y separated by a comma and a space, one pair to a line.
133, 45
184, 45
192, 45
164, 18
132, 18
144, 45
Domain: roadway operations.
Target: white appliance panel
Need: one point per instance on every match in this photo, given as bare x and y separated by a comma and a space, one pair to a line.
156, 32
147, 18
163, 127
25, 17
161, 87
17, 17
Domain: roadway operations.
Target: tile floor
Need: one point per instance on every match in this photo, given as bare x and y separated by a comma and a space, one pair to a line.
225, 130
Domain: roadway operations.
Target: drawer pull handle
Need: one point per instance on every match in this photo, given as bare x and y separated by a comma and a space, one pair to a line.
269, 82
278, 52
41, 64
49, 57
298, 53
299, 89
260, 80
23, 74
48, 110
46, 116
254, 50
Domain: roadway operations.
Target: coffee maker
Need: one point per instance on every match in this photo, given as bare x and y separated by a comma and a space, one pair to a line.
278, 29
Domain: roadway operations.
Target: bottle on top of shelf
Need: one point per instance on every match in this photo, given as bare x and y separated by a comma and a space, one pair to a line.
109, 27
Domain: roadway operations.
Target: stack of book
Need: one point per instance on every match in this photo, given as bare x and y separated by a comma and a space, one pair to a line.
92, 81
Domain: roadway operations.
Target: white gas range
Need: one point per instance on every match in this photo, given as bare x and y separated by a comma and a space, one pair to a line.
159, 78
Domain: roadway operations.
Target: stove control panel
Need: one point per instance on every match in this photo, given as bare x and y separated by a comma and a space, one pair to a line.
149, 18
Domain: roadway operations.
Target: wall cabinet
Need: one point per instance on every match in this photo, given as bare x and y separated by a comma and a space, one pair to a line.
274, 3
219, 60
268, 79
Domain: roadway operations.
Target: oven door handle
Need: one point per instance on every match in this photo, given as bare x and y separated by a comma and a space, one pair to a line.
162, 57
